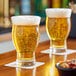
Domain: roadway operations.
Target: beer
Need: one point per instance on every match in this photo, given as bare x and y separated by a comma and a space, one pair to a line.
58, 26
58, 30
25, 38
25, 35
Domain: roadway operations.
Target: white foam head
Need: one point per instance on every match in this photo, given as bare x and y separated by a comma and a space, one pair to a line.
25, 20
58, 12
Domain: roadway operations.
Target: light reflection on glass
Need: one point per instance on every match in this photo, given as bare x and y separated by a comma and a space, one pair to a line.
51, 69
25, 71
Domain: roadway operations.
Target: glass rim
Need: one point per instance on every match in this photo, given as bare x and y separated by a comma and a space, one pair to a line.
25, 16
57, 8
58, 12
25, 20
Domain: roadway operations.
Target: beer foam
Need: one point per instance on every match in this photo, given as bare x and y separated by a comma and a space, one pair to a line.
25, 20
58, 12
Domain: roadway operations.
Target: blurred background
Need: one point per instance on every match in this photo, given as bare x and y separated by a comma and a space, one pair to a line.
10, 8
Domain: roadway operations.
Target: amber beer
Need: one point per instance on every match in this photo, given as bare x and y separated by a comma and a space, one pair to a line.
58, 27
25, 36
58, 30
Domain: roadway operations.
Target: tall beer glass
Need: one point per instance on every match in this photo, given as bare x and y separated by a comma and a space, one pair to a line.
58, 26
25, 35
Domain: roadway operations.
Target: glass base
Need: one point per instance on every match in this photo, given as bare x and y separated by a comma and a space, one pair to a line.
25, 63
59, 51
25, 59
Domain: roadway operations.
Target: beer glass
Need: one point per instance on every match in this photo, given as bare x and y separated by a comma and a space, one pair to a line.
58, 25
25, 35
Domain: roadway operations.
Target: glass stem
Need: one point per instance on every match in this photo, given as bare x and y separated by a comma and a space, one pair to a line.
59, 50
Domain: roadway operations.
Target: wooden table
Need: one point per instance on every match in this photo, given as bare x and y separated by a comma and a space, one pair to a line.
44, 70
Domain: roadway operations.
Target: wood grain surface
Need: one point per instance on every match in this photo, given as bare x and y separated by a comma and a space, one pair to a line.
44, 70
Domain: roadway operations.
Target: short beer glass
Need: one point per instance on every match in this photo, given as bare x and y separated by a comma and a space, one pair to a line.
58, 25
25, 35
